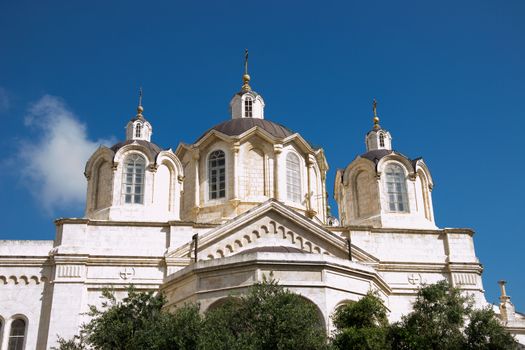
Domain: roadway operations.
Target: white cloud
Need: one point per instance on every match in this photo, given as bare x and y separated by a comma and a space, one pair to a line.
53, 163
4, 100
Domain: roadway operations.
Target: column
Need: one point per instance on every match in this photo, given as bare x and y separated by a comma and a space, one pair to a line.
235, 174
310, 212
196, 160
277, 150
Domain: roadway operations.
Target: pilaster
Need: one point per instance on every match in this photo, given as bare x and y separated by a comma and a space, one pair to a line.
277, 151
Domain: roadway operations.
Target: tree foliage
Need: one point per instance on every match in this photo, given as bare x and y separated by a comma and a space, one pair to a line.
268, 317
436, 321
271, 317
485, 332
361, 325
442, 319
137, 322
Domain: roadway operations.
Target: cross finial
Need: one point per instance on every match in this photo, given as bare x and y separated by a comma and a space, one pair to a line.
376, 118
140, 109
246, 76
245, 61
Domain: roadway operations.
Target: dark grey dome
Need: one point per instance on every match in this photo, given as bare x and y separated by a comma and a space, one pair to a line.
235, 127
152, 149
376, 155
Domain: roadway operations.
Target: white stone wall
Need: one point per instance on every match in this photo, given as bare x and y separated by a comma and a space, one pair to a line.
163, 184
372, 140
237, 105
363, 199
255, 172
23, 280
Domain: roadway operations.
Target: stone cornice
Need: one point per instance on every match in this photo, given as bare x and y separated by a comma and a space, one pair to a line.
29, 261
404, 266
82, 221
274, 259
371, 229
125, 260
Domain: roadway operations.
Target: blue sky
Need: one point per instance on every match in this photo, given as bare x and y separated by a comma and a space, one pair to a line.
449, 77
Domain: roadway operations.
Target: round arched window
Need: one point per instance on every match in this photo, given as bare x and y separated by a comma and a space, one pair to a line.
133, 182
17, 335
396, 189
217, 175
382, 140
248, 107
293, 178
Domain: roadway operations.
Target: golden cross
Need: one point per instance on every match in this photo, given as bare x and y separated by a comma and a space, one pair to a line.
245, 61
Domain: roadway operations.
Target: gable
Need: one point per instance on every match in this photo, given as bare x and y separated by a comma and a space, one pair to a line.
271, 224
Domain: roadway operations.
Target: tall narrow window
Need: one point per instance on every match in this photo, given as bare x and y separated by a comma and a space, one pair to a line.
382, 140
17, 335
248, 107
133, 184
396, 189
217, 175
293, 178
138, 130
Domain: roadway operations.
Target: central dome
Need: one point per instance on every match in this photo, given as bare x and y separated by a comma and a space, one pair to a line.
235, 127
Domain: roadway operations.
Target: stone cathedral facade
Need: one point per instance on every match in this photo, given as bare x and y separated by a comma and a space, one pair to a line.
209, 219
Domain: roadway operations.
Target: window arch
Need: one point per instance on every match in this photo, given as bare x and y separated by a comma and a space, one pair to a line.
381, 140
425, 194
396, 189
17, 335
138, 130
1, 329
248, 107
217, 175
133, 182
293, 178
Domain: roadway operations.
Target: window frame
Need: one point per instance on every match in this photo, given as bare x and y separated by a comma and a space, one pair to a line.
133, 184
381, 139
290, 195
138, 130
11, 336
248, 107
395, 176
209, 169
2, 329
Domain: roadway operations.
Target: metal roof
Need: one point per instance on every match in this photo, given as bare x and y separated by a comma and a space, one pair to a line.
152, 149
235, 127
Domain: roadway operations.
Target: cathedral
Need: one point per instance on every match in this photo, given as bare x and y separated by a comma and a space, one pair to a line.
245, 200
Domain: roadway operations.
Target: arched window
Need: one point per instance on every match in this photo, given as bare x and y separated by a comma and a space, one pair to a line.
382, 140
293, 178
17, 335
248, 107
396, 189
138, 130
133, 183
217, 175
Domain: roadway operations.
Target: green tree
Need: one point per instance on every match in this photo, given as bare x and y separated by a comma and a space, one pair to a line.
361, 325
439, 322
485, 332
137, 322
268, 317
438, 315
